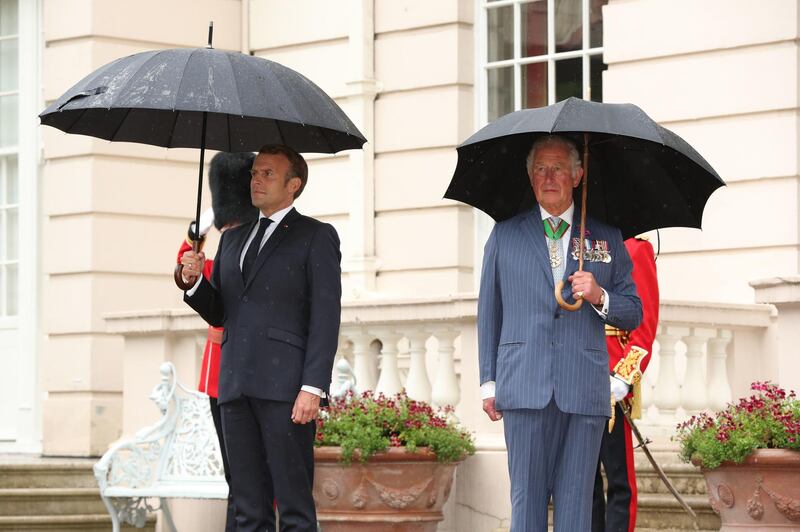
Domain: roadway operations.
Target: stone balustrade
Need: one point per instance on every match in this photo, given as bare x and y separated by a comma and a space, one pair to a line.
409, 344
705, 354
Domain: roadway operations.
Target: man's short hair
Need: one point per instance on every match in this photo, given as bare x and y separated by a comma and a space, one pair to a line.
297, 164
555, 140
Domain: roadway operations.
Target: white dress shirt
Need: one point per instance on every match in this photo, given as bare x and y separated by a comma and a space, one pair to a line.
276, 218
488, 387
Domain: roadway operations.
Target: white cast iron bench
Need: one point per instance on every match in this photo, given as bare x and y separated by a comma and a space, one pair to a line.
178, 457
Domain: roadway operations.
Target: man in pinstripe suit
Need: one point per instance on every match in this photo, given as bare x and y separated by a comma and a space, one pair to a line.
543, 369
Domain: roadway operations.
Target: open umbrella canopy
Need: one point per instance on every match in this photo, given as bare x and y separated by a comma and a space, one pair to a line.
159, 98
641, 176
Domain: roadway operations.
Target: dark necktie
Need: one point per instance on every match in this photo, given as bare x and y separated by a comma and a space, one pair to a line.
253, 249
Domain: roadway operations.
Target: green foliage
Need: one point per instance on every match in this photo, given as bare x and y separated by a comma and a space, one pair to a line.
770, 419
368, 424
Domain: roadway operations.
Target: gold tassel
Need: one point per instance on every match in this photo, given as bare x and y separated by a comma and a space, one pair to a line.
613, 419
636, 401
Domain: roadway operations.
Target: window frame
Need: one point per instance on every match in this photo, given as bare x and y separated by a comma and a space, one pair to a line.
484, 65
10, 321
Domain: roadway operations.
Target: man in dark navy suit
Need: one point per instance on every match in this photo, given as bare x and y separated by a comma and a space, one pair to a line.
276, 288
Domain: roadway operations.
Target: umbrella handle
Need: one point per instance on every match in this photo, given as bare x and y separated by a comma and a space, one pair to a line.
563, 304
177, 273
572, 307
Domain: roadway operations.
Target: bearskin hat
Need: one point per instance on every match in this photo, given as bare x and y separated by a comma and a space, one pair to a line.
229, 181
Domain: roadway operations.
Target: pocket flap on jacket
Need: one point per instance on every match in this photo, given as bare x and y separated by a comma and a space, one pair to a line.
286, 336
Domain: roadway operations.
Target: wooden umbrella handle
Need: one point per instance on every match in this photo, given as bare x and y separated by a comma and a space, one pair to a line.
560, 285
572, 307
177, 273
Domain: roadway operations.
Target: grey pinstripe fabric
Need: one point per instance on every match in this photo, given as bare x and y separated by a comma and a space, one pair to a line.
548, 456
550, 366
526, 343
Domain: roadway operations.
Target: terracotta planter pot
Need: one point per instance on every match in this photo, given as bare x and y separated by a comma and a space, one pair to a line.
394, 491
761, 493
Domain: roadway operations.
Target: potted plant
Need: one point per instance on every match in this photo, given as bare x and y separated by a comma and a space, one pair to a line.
385, 462
750, 456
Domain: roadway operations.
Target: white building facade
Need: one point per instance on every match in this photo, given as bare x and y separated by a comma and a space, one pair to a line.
89, 229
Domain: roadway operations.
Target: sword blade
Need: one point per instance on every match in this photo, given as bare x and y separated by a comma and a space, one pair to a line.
660, 472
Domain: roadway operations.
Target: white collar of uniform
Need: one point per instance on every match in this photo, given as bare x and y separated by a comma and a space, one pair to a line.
277, 217
566, 215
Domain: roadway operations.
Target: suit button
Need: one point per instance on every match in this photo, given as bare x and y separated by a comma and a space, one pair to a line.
244, 299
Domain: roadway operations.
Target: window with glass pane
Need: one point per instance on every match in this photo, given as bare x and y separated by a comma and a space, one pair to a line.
539, 52
9, 178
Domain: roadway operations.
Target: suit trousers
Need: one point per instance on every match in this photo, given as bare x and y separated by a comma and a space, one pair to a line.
230, 516
551, 454
271, 458
616, 511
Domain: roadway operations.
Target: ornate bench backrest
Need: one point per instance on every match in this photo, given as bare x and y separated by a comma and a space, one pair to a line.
181, 448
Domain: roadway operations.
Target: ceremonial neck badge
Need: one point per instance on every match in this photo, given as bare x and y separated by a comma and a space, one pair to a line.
554, 231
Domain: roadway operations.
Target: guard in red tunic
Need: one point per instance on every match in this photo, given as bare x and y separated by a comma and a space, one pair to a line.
629, 354
229, 181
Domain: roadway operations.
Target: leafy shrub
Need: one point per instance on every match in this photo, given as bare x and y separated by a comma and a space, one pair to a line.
769, 419
365, 424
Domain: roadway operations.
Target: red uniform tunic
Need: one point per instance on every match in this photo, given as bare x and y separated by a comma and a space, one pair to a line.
644, 276
617, 447
209, 371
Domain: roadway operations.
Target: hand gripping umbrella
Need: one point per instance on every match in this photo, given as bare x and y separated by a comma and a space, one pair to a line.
643, 176
203, 98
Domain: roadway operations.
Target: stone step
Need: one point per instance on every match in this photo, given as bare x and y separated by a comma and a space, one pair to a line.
53, 523
23, 471
658, 509
50, 501
663, 512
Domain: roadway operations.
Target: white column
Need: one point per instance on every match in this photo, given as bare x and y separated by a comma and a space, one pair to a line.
360, 262
693, 392
666, 394
446, 390
418, 386
29, 395
389, 379
719, 389
364, 366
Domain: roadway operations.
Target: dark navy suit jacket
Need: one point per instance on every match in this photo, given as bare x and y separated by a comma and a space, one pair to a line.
282, 323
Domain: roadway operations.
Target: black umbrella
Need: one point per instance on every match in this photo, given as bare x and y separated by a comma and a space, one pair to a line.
203, 98
642, 175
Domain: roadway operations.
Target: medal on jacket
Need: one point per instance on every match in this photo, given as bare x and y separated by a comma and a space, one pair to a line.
554, 233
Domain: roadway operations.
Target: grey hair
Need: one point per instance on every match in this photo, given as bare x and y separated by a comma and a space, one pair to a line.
557, 140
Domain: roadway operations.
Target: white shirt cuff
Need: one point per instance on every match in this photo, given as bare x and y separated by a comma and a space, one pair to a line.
190, 292
312, 389
603, 312
487, 390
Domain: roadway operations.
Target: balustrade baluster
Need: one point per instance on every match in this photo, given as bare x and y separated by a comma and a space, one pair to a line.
446, 391
693, 391
418, 386
666, 394
389, 379
719, 389
364, 363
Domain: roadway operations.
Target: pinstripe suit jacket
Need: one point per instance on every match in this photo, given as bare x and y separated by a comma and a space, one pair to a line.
526, 343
